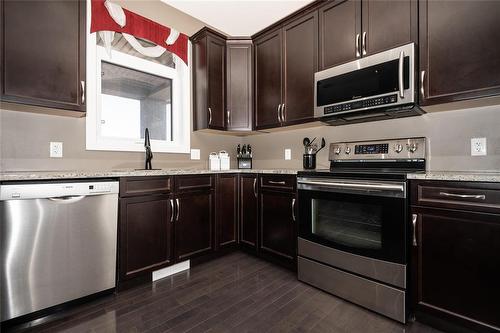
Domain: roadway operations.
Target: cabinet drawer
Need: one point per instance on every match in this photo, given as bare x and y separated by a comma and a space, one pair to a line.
133, 186
193, 183
481, 197
278, 182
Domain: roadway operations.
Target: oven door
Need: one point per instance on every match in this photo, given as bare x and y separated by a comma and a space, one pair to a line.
366, 218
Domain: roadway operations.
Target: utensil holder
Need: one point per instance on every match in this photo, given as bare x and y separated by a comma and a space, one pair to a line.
309, 161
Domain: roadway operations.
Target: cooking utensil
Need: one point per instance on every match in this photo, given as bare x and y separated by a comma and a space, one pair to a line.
306, 142
323, 144
312, 141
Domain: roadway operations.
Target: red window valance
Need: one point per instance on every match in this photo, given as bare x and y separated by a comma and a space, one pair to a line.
138, 26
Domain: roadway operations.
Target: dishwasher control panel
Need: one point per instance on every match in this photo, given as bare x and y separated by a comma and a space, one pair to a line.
56, 190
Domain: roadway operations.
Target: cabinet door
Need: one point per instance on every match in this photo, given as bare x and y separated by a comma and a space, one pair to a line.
339, 32
387, 24
43, 53
194, 226
458, 267
239, 83
300, 39
249, 212
216, 76
277, 226
227, 210
200, 83
268, 79
145, 235
459, 50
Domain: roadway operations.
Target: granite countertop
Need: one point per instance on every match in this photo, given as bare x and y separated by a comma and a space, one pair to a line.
74, 174
470, 176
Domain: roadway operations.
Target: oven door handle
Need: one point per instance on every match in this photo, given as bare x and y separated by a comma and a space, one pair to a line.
356, 186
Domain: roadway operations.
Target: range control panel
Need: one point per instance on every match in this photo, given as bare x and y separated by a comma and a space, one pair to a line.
394, 149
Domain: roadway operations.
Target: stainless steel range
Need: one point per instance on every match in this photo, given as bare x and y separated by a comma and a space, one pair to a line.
354, 227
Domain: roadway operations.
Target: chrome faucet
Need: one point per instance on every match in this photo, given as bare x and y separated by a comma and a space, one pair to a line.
149, 153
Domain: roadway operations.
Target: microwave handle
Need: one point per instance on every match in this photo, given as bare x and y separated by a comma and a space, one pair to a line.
400, 74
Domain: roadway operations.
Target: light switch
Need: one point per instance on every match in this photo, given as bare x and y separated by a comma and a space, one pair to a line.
56, 149
288, 154
195, 154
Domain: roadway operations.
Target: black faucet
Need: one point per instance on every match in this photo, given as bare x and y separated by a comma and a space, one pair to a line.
149, 153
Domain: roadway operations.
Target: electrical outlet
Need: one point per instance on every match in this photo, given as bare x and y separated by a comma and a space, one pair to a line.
195, 154
288, 154
56, 149
478, 146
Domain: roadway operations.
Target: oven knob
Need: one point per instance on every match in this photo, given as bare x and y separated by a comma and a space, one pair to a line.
337, 151
398, 148
347, 150
412, 147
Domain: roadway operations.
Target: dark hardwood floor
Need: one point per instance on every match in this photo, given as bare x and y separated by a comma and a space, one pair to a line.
235, 293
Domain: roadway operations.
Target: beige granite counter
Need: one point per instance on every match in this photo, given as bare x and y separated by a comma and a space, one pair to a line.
74, 174
483, 176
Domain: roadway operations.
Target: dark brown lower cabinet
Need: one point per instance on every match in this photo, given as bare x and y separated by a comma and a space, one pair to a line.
194, 224
249, 211
277, 225
146, 234
455, 265
227, 211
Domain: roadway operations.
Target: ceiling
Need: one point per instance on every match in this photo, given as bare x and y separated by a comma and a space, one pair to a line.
238, 17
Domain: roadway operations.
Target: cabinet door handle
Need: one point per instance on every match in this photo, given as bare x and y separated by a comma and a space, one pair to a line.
178, 209
357, 46
209, 116
255, 187
422, 90
293, 209
277, 183
414, 223
283, 112
279, 114
400, 74
172, 210
228, 117
82, 83
463, 196
364, 43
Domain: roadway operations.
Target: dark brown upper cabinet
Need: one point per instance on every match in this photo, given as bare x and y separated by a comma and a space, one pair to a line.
339, 32
459, 52
226, 225
43, 53
285, 63
268, 79
351, 29
209, 68
239, 85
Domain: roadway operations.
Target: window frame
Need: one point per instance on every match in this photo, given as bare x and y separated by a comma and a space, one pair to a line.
181, 100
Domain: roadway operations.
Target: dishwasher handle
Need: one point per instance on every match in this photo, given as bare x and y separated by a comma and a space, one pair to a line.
67, 199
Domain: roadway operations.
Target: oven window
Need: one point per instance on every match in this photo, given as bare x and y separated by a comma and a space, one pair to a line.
347, 223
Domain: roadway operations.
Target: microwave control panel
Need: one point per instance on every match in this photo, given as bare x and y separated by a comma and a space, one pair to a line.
366, 103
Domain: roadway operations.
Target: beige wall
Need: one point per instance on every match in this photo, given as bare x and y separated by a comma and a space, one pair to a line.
448, 135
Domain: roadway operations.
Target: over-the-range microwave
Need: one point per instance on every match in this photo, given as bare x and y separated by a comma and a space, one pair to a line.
375, 87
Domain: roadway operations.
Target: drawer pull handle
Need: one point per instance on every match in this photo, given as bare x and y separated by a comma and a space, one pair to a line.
178, 209
255, 187
277, 183
293, 210
463, 196
414, 222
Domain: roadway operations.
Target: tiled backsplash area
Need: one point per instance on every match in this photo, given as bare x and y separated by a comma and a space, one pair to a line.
25, 141
448, 135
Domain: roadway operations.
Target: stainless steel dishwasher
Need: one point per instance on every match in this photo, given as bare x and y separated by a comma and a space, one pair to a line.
58, 243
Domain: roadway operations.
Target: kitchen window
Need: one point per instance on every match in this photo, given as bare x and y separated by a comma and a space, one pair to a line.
128, 92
